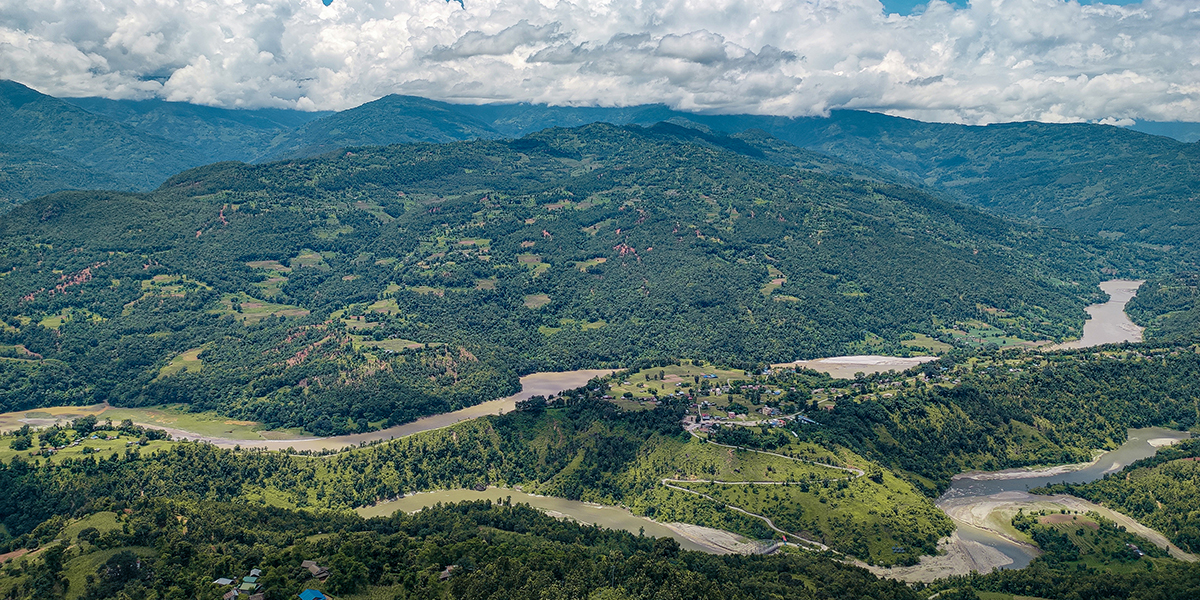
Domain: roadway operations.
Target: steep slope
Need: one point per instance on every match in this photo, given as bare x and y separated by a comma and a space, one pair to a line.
131, 159
219, 134
27, 172
383, 283
1092, 178
390, 120
1095, 179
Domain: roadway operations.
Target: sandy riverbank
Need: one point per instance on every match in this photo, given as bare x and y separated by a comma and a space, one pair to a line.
994, 514
844, 367
957, 556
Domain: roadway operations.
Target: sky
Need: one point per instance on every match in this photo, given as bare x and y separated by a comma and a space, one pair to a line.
972, 61
906, 7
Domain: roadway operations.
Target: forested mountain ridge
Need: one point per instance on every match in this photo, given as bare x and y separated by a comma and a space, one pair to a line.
389, 120
96, 151
219, 134
1095, 179
377, 284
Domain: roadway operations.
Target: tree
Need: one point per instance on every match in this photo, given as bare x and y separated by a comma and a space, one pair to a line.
346, 575
84, 425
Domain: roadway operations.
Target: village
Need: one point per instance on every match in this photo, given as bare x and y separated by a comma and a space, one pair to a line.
770, 397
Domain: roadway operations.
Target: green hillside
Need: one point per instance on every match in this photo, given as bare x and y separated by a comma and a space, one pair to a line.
27, 172
112, 151
1094, 179
378, 284
218, 134
389, 120
1168, 307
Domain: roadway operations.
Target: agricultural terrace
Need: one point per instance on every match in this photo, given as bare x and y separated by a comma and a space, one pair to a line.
274, 276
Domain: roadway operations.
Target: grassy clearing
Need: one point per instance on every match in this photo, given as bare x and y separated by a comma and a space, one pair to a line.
536, 300
886, 522
921, 341
1003, 596
68, 314
385, 306
428, 291
252, 310
310, 259
534, 262
104, 521
18, 352
187, 362
360, 325
978, 333
77, 569
591, 262
645, 383
699, 460
485, 284
102, 448
269, 265
777, 280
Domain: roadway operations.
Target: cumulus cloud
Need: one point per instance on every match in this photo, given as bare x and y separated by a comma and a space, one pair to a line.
994, 60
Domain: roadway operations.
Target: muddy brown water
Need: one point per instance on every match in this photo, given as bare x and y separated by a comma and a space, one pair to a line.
543, 384
1107, 322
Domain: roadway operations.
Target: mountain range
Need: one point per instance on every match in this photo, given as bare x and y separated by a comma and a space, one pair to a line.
1094, 179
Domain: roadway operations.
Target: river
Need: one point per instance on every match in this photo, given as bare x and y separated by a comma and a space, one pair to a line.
1108, 323
974, 498
537, 384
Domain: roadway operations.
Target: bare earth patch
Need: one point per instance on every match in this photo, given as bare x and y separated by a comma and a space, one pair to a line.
536, 300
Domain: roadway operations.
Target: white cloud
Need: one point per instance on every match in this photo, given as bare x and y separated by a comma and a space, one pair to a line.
996, 60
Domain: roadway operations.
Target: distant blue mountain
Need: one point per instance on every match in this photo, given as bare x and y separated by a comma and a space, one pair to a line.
1180, 130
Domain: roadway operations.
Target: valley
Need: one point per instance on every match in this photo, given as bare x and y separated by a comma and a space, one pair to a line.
443, 349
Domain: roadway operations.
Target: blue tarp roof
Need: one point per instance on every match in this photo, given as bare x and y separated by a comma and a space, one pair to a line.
311, 595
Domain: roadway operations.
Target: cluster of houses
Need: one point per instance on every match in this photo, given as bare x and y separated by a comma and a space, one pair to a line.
248, 586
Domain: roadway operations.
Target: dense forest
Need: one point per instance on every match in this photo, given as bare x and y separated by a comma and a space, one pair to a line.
1168, 307
149, 549
373, 286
